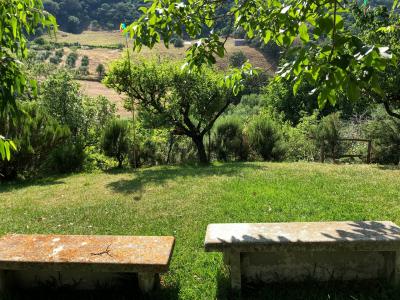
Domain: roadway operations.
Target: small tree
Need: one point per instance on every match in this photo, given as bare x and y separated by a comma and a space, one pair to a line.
178, 42
328, 134
71, 59
115, 141
100, 70
187, 103
85, 61
237, 59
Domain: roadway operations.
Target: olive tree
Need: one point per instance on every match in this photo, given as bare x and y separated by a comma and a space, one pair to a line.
187, 102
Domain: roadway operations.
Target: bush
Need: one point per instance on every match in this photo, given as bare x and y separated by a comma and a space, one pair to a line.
301, 144
43, 55
69, 157
230, 143
55, 60
115, 142
83, 70
71, 59
237, 59
59, 53
265, 138
40, 41
100, 70
178, 42
385, 134
85, 61
328, 134
35, 136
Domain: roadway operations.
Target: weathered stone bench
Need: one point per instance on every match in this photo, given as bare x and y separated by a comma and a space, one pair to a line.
275, 252
84, 262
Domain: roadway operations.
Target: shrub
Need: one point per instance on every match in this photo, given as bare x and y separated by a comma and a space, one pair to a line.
100, 70
71, 59
35, 136
328, 134
385, 134
69, 157
237, 59
55, 60
265, 138
43, 55
85, 61
301, 144
178, 42
59, 53
83, 70
40, 41
230, 143
115, 142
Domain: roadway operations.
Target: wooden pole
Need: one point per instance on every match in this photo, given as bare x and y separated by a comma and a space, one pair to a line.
369, 152
323, 153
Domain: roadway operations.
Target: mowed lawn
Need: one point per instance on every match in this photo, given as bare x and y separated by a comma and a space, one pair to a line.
181, 201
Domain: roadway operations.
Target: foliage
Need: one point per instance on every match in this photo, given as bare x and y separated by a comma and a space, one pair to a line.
115, 142
55, 59
13, 47
321, 49
59, 52
300, 140
35, 136
100, 70
328, 134
178, 42
68, 157
237, 59
85, 61
75, 16
187, 103
230, 142
83, 70
385, 134
265, 137
85, 117
71, 59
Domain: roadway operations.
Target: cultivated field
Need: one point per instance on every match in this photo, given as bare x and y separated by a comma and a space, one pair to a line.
181, 201
112, 38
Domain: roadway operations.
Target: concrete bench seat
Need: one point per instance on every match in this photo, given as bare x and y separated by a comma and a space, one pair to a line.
275, 252
82, 261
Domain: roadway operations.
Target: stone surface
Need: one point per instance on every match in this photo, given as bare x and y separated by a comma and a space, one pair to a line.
86, 253
314, 235
279, 252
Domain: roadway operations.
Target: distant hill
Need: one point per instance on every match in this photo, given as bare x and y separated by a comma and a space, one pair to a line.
77, 15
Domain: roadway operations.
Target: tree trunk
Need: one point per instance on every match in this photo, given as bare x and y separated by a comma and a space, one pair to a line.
201, 150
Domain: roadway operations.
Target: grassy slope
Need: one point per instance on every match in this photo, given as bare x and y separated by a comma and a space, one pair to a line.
181, 201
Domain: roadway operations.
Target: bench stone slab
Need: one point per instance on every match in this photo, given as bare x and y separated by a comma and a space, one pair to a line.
272, 252
74, 255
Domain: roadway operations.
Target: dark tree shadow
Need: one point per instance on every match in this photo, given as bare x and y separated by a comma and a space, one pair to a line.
161, 175
7, 186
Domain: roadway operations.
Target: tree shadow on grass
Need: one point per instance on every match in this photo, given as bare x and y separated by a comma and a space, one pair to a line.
160, 175
8, 186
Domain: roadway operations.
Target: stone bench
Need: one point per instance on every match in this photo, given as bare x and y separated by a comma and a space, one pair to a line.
277, 252
84, 262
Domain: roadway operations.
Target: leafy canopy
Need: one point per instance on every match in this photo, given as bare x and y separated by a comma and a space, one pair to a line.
313, 35
18, 18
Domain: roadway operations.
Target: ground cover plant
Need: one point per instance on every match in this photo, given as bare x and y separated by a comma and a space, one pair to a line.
181, 201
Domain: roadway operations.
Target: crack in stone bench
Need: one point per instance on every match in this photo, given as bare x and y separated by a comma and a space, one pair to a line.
83, 262
276, 252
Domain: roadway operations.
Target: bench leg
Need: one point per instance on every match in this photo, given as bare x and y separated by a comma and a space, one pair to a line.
146, 281
392, 267
236, 273
396, 268
3, 283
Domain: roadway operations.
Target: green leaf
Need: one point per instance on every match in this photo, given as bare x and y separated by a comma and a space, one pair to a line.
297, 85
353, 90
303, 31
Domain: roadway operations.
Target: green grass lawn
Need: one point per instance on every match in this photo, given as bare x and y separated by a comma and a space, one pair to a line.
181, 201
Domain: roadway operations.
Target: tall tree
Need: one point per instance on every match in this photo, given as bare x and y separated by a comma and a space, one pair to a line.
187, 102
18, 19
322, 50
